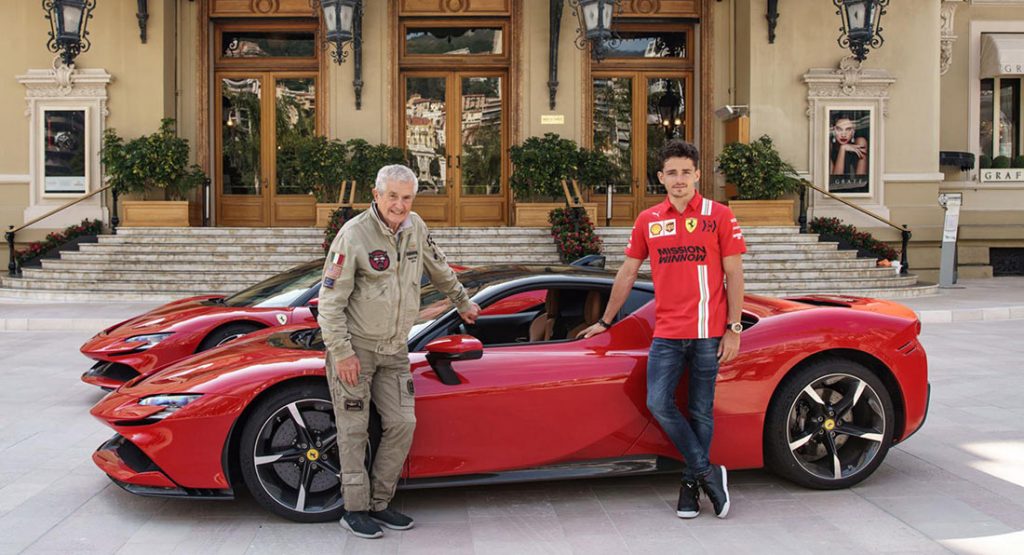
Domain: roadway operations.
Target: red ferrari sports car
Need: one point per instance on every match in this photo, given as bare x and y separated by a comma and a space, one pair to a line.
822, 388
146, 343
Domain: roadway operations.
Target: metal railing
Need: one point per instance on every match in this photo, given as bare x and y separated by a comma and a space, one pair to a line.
904, 230
12, 265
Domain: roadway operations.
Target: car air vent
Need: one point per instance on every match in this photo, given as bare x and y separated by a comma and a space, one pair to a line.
820, 301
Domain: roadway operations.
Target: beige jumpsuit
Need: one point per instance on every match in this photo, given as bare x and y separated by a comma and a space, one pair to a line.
369, 301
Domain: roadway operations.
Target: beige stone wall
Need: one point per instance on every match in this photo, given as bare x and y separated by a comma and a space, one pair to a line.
141, 93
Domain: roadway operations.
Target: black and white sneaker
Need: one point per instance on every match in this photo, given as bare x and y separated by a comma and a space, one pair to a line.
689, 500
361, 525
392, 519
716, 486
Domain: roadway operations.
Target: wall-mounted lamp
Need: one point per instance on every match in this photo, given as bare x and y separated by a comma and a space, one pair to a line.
595, 24
862, 27
343, 25
68, 21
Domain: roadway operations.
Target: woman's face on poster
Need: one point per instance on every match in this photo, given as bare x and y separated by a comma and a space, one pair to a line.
843, 131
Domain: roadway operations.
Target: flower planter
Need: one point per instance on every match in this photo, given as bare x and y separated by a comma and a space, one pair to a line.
763, 212
324, 211
155, 213
845, 245
535, 214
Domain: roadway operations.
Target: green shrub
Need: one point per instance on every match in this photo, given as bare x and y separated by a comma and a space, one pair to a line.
540, 164
1001, 162
984, 161
573, 233
1018, 162
757, 170
861, 240
158, 161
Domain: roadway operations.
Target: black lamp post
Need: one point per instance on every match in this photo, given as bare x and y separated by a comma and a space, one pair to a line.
343, 24
668, 110
68, 21
861, 25
595, 24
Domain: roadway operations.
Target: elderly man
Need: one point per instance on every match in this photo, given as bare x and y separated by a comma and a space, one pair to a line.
368, 303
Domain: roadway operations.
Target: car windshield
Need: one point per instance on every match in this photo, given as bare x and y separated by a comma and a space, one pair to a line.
280, 290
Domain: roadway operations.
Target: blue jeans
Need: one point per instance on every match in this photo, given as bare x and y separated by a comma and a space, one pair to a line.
665, 364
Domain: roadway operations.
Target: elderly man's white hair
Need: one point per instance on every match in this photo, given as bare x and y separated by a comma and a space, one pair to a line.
397, 173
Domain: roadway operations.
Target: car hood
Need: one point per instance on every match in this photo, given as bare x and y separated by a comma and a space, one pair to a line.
259, 360
167, 316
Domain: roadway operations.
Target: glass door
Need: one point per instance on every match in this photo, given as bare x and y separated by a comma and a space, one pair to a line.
256, 174
454, 130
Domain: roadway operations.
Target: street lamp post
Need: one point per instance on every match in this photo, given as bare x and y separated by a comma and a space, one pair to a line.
68, 21
861, 25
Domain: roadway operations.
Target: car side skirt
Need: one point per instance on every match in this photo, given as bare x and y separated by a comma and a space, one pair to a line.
603, 468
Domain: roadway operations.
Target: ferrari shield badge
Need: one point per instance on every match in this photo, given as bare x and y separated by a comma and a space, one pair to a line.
282, 319
691, 224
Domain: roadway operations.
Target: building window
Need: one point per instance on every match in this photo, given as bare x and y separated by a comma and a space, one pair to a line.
1000, 128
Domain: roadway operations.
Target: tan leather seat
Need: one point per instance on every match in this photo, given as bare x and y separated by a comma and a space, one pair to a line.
543, 325
592, 310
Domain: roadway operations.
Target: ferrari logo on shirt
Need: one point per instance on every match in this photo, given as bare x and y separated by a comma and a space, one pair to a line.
691, 224
661, 228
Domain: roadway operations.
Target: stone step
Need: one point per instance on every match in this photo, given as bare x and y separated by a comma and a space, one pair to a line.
118, 250
281, 258
194, 288
912, 291
860, 283
10, 294
177, 277
767, 230
849, 264
208, 231
816, 274
618, 258
623, 238
213, 241
187, 266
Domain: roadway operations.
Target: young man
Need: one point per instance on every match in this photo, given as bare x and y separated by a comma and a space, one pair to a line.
369, 300
694, 244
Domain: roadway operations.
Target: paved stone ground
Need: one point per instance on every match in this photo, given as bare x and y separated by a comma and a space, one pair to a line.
958, 485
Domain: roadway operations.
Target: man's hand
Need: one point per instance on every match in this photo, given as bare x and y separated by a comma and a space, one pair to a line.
471, 315
348, 370
593, 330
728, 347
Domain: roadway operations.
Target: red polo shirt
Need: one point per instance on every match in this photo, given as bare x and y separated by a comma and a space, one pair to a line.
686, 251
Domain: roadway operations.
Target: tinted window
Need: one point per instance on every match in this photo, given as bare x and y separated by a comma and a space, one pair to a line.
280, 290
635, 300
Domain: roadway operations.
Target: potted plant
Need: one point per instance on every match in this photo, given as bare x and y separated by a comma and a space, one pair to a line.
541, 168
761, 177
320, 164
155, 164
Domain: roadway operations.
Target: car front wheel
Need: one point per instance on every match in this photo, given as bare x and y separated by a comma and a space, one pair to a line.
829, 425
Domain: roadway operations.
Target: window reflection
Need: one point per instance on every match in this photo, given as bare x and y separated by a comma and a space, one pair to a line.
613, 127
425, 113
240, 136
296, 126
453, 41
481, 136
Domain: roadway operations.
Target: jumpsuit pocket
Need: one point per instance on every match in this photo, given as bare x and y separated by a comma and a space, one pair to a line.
406, 391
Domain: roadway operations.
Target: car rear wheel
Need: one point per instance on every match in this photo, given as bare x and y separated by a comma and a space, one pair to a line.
829, 425
227, 333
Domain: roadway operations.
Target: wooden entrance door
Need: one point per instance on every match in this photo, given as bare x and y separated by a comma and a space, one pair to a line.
455, 129
262, 118
628, 127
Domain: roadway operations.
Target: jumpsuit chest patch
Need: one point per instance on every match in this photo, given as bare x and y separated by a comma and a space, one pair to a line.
379, 260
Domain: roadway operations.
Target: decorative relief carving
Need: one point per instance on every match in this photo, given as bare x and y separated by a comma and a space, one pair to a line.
646, 6
62, 75
947, 39
264, 6
455, 5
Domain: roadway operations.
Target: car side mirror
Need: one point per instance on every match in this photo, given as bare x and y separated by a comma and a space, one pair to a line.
314, 307
443, 351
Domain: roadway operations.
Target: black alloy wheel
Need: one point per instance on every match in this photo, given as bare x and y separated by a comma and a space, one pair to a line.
829, 426
289, 454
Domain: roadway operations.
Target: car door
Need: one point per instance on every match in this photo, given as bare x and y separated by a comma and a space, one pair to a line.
534, 404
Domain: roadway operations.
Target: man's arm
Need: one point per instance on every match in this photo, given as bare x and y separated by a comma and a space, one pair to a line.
624, 280
335, 289
733, 268
435, 264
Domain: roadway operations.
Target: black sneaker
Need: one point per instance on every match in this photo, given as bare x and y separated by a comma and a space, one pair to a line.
689, 500
360, 524
392, 519
716, 486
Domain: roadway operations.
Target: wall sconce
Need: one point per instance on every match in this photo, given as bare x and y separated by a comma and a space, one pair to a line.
595, 24
343, 24
861, 25
68, 21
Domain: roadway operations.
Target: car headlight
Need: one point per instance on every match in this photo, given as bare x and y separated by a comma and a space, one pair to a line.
146, 341
171, 403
